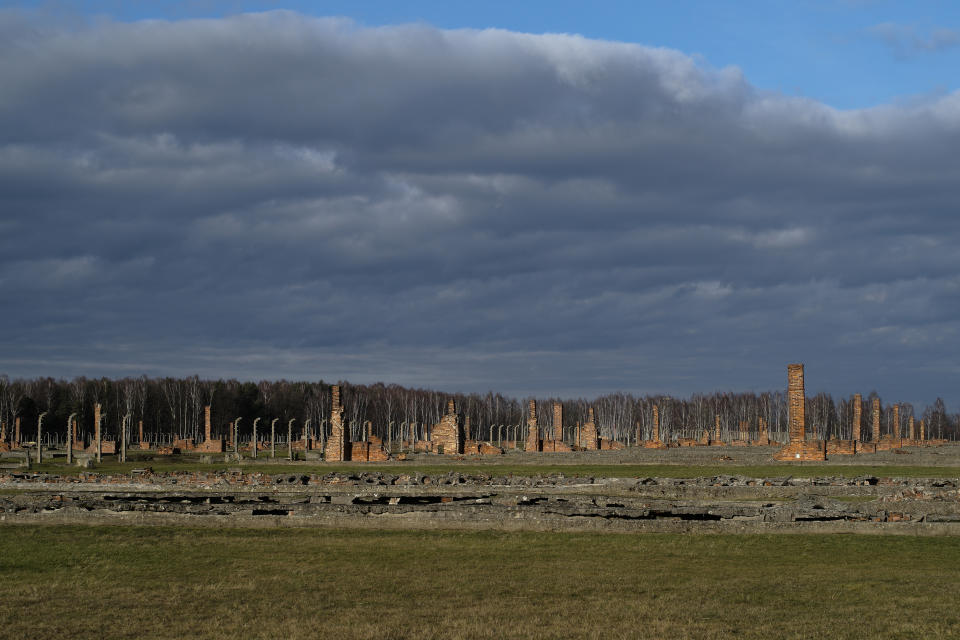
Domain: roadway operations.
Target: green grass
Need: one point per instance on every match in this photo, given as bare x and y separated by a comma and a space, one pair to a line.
531, 469
160, 582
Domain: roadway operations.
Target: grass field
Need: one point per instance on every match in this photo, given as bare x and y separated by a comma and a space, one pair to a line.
531, 469
159, 582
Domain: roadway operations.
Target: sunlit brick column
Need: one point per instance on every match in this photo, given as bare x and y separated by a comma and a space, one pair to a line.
16, 431
96, 422
716, 428
876, 419
857, 415
796, 398
140, 425
896, 422
338, 442
589, 438
912, 426
557, 421
206, 423
533, 433
923, 430
466, 428
656, 423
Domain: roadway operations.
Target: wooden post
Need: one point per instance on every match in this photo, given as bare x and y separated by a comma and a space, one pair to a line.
97, 419
123, 438
236, 437
253, 447
290, 439
40, 437
273, 438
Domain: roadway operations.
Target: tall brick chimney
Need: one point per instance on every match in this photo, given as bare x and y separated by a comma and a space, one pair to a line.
796, 403
557, 421
857, 415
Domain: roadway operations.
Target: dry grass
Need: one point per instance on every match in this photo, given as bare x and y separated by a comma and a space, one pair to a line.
159, 582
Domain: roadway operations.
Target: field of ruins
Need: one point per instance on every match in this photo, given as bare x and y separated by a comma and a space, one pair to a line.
339, 532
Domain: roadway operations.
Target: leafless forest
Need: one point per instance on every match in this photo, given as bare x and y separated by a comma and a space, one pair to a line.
173, 408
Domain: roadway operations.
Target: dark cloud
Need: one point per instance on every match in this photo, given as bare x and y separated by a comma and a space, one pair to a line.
905, 39
273, 195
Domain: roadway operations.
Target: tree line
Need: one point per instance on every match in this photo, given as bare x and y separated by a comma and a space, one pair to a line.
170, 408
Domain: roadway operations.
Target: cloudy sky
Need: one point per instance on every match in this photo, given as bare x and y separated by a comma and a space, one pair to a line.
484, 199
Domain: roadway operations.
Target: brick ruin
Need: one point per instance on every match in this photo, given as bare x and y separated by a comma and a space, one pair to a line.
857, 416
533, 432
876, 420
716, 440
655, 441
446, 435
337, 444
763, 433
798, 448
210, 444
454, 435
558, 422
589, 438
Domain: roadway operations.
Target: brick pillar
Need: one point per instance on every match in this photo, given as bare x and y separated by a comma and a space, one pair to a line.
923, 430
96, 423
896, 422
912, 427
716, 428
589, 438
876, 419
206, 423
466, 428
3, 432
338, 442
656, 423
743, 430
16, 431
857, 413
557, 421
762, 428
796, 399
140, 426
533, 433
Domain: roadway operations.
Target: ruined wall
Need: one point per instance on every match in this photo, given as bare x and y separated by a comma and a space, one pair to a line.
338, 448
446, 435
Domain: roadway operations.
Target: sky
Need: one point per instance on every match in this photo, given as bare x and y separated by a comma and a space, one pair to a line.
652, 198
